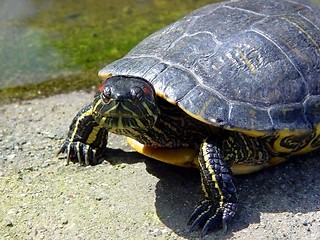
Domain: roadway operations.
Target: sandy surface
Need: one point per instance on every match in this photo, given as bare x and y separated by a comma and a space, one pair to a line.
129, 196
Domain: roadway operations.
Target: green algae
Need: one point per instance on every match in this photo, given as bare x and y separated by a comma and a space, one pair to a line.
59, 46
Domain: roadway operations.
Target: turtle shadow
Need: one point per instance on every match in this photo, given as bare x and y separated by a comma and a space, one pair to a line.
291, 187
119, 156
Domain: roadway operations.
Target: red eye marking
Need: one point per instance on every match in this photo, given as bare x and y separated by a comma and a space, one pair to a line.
101, 86
147, 90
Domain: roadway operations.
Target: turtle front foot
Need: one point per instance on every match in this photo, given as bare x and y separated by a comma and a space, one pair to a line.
210, 214
80, 152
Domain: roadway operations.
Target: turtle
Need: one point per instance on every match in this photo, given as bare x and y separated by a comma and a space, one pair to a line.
231, 88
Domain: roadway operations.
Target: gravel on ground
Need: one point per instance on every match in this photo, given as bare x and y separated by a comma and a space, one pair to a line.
129, 196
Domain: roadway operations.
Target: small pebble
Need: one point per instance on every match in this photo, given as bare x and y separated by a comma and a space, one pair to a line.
23, 195
9, 223
11, 156
11, 212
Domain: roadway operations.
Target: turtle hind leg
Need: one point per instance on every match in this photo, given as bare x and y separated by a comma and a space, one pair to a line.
220, 203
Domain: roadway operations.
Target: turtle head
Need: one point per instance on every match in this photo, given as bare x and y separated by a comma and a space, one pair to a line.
125, 102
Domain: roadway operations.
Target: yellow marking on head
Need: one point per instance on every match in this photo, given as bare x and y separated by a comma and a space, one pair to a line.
303, 31
133, 113
120, 124
145, 105
139, 123
94, 108
113, 107
247, 62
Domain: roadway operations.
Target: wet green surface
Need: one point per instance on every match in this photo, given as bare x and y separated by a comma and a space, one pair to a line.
49, 47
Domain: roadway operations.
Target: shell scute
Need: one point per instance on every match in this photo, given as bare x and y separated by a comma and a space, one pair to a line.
212, 110
289, 117
312, 109
250, 117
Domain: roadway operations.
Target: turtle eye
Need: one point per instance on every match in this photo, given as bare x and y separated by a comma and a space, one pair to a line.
136, 93
106, 94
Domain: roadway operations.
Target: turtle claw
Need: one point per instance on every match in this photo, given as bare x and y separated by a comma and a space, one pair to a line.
209, 215
79, 152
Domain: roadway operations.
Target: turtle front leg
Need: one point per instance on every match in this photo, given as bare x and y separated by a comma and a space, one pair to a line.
220, 203
86, 140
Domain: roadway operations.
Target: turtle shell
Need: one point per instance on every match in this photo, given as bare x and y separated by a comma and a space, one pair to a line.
252, 66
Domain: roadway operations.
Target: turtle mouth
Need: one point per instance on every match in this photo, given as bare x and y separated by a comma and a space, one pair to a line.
117, 115
119, 110
114, 124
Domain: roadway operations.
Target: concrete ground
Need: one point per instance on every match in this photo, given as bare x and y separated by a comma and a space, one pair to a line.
130, 196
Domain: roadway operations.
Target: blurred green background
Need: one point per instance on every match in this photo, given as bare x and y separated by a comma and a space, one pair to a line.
55, 46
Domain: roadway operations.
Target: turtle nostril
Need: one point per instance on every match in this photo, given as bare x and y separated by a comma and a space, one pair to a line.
118, 97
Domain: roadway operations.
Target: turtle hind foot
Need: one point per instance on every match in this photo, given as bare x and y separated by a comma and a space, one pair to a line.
210, 215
